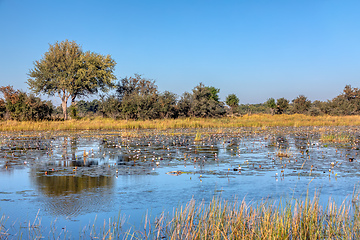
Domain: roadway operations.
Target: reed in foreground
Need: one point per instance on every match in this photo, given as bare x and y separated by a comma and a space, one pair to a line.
256, 120
220, 219
305, 219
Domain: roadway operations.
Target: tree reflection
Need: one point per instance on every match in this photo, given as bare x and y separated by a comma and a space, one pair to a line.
72, 196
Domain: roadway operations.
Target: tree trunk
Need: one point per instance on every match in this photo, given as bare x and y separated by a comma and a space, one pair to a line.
64, 106
64, 98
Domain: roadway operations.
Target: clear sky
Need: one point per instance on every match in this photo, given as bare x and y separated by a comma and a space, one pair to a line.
255, 49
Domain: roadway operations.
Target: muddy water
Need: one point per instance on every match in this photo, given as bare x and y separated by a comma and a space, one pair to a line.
73, 178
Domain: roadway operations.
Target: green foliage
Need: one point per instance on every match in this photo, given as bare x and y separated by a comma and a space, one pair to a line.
138, 98
2, 108
136, 85
85, 108
67, 71
109, 106
20, 106
270, 103
214, 93
184, 105
73, 111
347, 103
318, 108
301, 105
233, 102
282, 105
167, 105
203, 103
36, 109
253, 108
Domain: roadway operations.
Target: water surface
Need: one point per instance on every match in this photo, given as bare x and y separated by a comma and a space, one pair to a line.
69, 179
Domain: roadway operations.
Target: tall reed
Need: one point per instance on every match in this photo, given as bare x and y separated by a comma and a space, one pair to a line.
221, 219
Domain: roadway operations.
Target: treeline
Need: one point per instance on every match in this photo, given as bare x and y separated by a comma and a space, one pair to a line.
138, 98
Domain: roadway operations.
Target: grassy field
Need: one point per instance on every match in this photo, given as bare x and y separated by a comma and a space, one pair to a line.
255, 120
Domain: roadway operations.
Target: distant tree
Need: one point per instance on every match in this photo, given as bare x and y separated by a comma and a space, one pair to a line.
204, 103
324, 107
86, 107
184, 105
135, 85
282, 105
138, 98
316, 108
301, 105
110, 106
167, 105
67, 71
82, 107
347, 103
270, 103
253, 108
350, 93
233, 102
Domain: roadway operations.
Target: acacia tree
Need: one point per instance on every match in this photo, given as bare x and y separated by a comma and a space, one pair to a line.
65, 70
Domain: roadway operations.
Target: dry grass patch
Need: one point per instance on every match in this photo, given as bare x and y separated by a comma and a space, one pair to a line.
255, 120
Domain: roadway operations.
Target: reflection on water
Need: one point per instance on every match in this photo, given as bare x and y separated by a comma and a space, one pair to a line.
71, 196
77, 174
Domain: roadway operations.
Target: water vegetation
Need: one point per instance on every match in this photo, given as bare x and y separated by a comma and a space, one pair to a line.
254, 120
336, 137
284, 153
64, 156
221, 219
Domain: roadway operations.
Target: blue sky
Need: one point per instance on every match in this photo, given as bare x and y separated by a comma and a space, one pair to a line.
255, 49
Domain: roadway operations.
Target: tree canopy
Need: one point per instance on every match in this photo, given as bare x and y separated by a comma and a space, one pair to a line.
233, 102
65, 70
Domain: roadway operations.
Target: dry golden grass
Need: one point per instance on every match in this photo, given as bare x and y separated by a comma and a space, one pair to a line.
256, 120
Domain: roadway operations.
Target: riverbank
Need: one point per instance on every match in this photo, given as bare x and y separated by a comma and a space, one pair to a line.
256, 120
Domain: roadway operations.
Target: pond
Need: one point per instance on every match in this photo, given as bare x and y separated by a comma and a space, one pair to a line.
69, 182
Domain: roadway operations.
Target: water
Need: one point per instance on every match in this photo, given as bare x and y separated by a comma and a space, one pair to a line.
73, 180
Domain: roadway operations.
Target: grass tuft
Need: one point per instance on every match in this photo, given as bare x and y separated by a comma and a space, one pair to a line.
285, 154
336, 137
